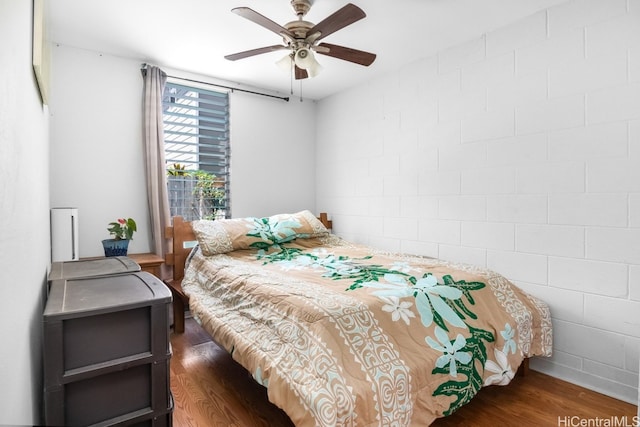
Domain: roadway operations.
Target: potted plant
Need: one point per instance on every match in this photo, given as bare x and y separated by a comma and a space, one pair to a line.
122, 231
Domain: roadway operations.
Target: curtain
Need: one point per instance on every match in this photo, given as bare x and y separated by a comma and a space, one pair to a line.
153, 136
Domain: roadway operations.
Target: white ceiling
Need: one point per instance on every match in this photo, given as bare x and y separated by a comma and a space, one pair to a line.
194, 35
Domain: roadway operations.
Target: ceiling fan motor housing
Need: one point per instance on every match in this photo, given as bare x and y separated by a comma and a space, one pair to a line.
299, 28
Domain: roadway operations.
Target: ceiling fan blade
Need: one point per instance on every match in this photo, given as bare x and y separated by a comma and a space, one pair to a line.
252, 52
346, 53
262, 20
338, 20
301, 73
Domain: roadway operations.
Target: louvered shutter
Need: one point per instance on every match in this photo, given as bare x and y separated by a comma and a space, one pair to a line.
196, 132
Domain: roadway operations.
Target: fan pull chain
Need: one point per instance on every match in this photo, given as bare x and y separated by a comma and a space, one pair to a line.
300, 90
291, 76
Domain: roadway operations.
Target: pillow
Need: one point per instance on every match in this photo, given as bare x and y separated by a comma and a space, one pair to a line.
301, 225
226, 235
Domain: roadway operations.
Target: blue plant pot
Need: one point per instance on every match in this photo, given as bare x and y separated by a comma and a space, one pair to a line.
114, 247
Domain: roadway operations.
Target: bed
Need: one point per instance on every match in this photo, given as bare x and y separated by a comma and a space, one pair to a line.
343, 334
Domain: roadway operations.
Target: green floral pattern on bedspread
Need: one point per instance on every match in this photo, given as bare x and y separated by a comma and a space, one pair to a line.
440, 303
438, 298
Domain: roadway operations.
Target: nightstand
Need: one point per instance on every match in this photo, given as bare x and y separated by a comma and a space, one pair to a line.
148, 262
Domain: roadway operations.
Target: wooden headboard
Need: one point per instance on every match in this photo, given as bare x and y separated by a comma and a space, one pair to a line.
180, 232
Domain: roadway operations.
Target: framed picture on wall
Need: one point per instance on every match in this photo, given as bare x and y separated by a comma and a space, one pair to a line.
40, 50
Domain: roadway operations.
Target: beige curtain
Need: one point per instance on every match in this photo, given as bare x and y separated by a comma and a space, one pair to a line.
154, 81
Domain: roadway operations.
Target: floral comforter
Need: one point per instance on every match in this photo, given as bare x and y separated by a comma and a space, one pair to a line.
343, 335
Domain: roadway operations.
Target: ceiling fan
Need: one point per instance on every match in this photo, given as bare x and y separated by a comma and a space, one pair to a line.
302, 38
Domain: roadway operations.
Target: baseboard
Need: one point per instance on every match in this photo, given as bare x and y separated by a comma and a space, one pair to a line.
592, 382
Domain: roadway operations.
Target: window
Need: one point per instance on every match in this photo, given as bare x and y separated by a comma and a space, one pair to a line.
196, 141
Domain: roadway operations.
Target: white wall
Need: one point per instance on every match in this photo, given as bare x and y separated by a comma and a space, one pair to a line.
97, 156
96, 144
518, 151
272, 155
24, 209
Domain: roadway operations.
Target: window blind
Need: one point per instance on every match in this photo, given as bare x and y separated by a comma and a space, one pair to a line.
197, 151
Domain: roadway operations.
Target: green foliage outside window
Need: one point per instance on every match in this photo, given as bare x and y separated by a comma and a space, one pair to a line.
207, 193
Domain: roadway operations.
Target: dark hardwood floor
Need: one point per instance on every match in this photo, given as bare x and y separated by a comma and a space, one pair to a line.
211, 390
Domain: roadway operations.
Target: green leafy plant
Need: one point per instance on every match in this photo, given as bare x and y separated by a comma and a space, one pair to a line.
207, 198
122, 229
176, 170
207, 186
209, 193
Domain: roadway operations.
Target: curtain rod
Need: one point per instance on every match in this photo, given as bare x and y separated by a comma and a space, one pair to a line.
284, 98
144, 66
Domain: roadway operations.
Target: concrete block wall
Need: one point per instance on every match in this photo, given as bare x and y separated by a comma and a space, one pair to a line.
518, 151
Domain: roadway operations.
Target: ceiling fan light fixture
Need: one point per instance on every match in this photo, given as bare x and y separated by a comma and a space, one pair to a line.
285, 63
314, 69
304, 59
